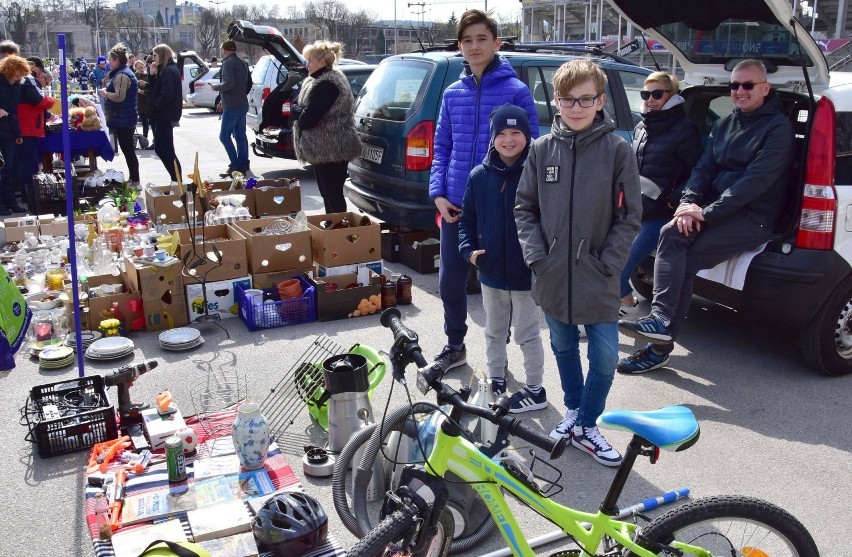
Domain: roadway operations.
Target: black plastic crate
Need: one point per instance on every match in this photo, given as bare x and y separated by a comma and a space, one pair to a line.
49, 197
85, 417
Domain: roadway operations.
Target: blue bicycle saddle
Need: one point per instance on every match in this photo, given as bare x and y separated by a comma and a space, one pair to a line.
673, 428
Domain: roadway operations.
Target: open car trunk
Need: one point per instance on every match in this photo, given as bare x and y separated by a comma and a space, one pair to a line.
191, 57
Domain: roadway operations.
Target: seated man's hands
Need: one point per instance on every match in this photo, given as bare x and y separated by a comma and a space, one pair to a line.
688, 218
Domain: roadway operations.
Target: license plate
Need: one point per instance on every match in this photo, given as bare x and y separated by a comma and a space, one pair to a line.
372, 154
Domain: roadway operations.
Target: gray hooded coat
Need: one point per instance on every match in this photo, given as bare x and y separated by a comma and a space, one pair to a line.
578, 210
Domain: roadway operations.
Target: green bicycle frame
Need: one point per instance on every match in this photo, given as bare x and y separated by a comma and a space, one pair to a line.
488, 476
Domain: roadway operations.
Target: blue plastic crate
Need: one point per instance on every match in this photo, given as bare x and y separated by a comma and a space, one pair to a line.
275, 312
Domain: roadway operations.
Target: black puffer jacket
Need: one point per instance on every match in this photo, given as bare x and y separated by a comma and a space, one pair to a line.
667, 146
166, 102
744, 167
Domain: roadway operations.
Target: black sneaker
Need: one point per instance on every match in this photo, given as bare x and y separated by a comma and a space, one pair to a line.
450, 358
526, 401
649, 328
642, 361
498, 387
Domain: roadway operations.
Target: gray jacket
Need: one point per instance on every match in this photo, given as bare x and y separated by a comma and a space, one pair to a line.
578, 210
232, 85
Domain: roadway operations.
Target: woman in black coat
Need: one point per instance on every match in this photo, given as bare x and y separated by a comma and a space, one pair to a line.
667, 146
165, 106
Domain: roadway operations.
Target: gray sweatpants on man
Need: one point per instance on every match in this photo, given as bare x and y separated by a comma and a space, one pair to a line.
680, 257
512, 307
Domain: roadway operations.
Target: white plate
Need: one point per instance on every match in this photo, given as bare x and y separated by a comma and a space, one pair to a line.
55, 353
108, 346
179, 347
95, 356
181, 335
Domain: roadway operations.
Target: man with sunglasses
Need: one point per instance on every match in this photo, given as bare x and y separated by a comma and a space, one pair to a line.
730, 204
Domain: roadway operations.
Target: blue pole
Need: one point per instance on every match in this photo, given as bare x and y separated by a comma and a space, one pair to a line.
69, 204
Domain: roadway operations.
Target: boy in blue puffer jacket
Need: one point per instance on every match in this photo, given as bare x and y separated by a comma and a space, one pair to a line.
462, 137
488, 238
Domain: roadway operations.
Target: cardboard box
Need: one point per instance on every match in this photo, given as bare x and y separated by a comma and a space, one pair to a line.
165, 206
276, 197
375, 266
53, 228
271, 280
391, 242
161, 290
15, 230
423, 258
221, 298
272, 253
333, 247
129, 303
233, 249
338, 303
160, 428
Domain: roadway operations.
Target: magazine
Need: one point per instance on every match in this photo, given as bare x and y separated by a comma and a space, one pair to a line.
215, 466
241, 545
221, 489
162, 503
219, 520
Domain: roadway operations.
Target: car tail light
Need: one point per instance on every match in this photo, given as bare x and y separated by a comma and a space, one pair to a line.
265, 93
819, 200
286, 108
200, 84
419, 145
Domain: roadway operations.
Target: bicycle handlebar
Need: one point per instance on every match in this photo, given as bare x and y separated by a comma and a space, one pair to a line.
405, 341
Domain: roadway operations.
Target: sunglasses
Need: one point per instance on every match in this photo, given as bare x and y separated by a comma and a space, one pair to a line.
748, 85
657, 94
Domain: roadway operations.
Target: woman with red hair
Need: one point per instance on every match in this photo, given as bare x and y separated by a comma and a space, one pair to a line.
13, 69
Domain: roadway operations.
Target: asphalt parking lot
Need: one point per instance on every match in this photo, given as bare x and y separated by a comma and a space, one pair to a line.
771, 427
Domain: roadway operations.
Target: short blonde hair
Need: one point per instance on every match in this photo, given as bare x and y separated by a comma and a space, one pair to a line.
667, 80
326, 52
575, 72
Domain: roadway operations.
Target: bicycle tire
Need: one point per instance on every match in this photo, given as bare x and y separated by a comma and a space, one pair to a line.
388, 532
727, 522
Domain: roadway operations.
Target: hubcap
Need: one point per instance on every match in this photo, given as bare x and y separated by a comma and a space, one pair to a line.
843, 332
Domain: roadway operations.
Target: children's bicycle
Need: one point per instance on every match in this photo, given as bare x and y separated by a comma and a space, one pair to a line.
415, 520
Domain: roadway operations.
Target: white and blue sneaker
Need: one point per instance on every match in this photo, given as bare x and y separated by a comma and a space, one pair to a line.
590, 440
566, 427
649, 328
526, 401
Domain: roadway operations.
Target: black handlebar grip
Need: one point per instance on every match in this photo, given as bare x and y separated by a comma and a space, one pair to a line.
552, 446
392, 319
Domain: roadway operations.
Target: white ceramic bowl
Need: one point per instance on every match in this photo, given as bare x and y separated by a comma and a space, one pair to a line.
37, 301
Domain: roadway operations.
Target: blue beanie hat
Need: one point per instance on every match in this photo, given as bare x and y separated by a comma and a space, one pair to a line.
510, 116
101, 59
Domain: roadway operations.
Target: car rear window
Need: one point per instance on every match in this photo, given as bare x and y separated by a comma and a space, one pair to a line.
259, 72
394, 90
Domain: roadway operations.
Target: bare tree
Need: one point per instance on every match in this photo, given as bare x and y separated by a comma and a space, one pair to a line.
207, 32
508, 24
132, 29
330, 16
21, 16
355, 33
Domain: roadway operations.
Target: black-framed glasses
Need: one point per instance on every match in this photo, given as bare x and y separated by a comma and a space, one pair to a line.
748, 85
657, 94
584, 102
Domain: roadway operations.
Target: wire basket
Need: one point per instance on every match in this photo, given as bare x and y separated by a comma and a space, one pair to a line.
214, 393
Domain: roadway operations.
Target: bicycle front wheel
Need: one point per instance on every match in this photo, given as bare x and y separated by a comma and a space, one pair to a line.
383, 540
732, 526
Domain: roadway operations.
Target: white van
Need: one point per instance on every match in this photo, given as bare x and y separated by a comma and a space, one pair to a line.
802, 280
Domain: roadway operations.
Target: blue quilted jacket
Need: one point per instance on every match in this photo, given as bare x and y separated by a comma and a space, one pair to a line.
463, 135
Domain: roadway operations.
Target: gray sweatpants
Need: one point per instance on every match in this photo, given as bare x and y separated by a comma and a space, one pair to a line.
512, 307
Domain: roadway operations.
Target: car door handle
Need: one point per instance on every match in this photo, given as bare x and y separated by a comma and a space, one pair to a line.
366, 123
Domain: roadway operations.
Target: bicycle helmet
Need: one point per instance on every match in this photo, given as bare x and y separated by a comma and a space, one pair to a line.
291, 524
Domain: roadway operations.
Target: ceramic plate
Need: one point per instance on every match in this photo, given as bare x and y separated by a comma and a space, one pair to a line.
187, 346
181, 335
55, 353
108, 346
42, 344
95, 356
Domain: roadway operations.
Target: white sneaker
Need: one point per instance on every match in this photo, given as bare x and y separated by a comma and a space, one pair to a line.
590, 440
566, 426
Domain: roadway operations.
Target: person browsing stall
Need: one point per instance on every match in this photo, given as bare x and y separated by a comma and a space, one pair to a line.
165, 106
730, 204
232, 88
32, 116
13, 69
578, 209
119, 98
488, 238
462, 137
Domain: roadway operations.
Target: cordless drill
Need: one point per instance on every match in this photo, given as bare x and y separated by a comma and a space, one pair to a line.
123, 379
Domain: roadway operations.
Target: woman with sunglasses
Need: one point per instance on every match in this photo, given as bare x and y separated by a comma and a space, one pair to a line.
667, 146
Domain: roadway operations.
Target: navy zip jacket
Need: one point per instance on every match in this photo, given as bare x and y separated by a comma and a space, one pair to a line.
488, 222
122, 115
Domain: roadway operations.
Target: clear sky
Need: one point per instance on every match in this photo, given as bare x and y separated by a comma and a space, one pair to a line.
435, 10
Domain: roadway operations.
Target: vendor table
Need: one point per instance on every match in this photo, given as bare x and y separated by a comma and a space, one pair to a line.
91, 144
156, 477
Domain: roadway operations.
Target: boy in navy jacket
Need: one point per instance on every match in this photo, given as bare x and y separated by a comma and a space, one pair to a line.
488, 238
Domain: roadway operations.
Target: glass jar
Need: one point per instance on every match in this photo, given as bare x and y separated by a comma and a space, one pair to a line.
388, 294
403, 290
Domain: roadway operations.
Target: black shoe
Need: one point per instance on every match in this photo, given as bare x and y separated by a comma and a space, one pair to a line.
17, 208
5, 212
229, 172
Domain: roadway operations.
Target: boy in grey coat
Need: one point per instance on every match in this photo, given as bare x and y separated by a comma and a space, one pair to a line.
578, 210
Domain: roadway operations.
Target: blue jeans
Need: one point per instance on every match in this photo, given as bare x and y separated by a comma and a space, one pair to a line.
643, 244
452, 284
589, 396
234, 123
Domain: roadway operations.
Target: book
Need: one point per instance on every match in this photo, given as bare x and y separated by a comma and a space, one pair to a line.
221, 489
219, 520
130, 543
241, 545
256, 503
162, 503
215, 466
